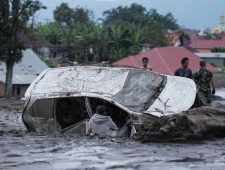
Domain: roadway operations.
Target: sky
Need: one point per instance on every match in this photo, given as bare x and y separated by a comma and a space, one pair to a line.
189, 13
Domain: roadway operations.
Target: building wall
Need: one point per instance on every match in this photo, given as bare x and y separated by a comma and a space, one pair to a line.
45, 52
19, 90
23, 90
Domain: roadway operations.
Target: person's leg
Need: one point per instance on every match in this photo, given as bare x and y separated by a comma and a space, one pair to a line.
208, 95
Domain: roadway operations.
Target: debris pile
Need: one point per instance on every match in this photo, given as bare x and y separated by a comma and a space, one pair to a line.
199, 123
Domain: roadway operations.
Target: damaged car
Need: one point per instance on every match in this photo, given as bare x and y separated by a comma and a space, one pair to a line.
64, 99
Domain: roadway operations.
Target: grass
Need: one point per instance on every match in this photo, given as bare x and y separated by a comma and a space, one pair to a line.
221, 68
49, 62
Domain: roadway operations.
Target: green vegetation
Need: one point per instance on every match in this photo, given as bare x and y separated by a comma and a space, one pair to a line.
49, 62
63, 14
221, 68
138, 15
218, 50
123, 32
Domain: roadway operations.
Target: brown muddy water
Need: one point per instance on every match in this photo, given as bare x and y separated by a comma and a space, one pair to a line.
21, 150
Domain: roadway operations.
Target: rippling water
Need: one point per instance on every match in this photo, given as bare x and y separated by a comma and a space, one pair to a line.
21, 150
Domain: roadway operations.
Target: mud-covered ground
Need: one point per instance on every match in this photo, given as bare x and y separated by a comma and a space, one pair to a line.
21, 150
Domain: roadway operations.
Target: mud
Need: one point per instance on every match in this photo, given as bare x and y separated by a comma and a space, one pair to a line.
21, 150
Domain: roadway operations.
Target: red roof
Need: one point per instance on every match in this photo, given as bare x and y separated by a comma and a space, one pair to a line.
223, 36
206, 44
164, 60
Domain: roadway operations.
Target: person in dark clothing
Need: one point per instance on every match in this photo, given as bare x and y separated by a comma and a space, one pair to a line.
145, 62
184, 71
205, 83
100, 124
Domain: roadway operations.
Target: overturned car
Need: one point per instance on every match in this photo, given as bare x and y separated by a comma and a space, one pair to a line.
63, 99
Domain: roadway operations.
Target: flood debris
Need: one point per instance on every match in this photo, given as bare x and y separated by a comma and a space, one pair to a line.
194, 124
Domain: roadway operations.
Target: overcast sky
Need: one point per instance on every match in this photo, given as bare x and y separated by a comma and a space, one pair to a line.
189, 13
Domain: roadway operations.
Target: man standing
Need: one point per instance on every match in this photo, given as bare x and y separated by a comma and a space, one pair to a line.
184, 71
145, 61
205, 83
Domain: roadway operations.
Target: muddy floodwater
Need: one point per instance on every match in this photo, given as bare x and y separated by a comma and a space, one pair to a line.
21, 150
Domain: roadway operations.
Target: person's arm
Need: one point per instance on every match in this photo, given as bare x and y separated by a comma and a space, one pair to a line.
194, 77
176, 73
191, 75
212, 83
213, 86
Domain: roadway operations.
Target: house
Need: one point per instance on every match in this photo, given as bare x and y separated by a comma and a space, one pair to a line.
37, 43
205, 46
216, 59
177, 38
24, 72
164, 60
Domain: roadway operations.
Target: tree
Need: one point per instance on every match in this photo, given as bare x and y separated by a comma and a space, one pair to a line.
106, 42
155, 34
14, 15
63, 14
167, 21
138, 15
51, 31
67, 16
124, 31
123, 40
82, 15
134, 14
